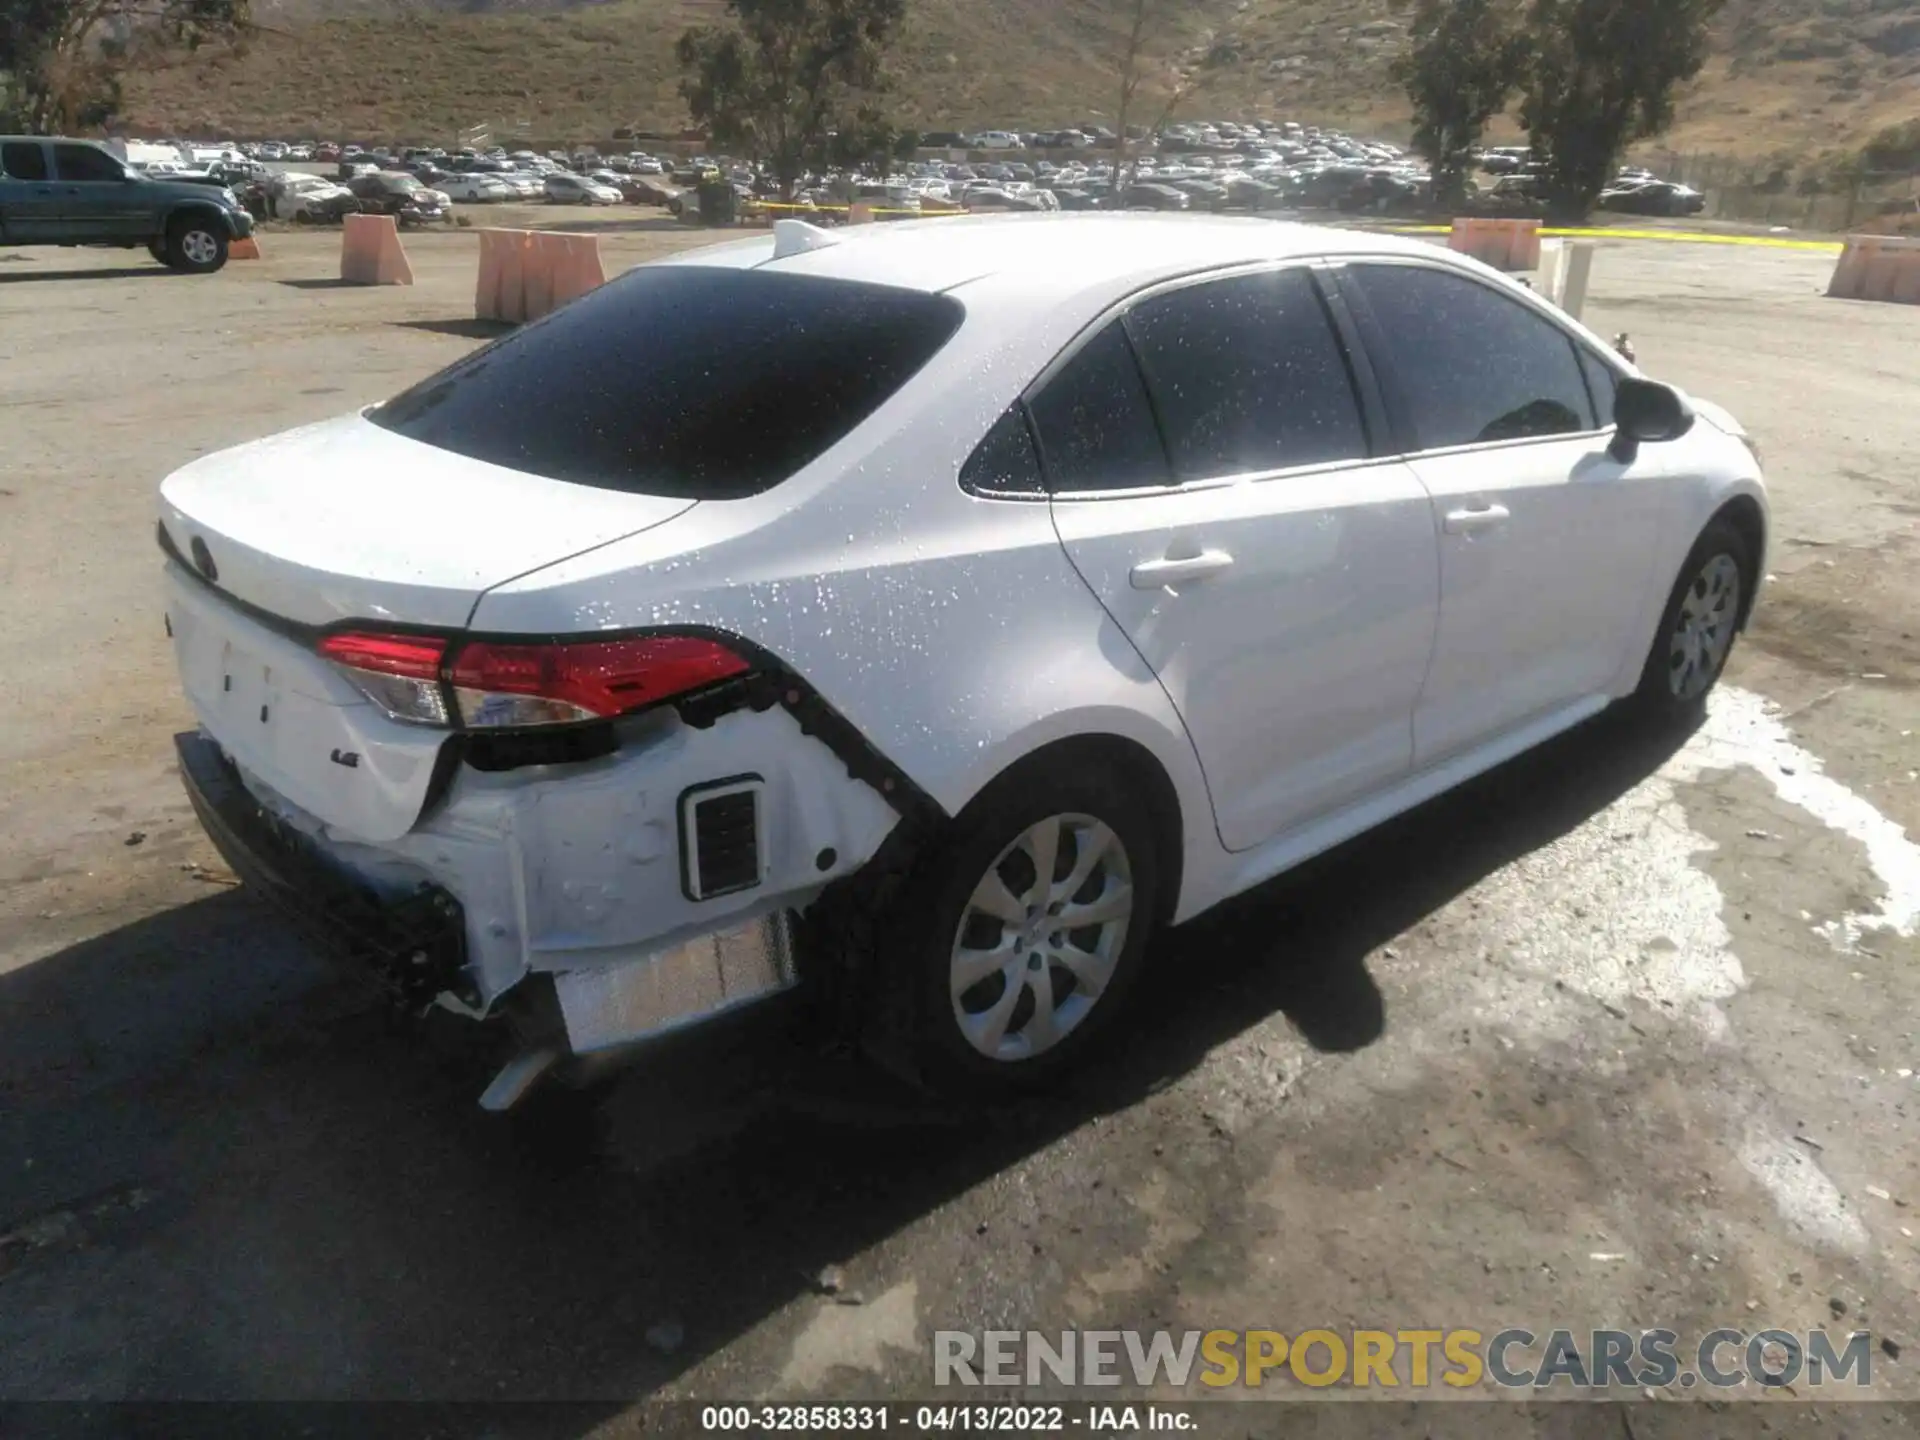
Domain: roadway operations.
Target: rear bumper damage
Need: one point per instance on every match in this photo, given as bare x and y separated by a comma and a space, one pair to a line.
416, 943
561, 894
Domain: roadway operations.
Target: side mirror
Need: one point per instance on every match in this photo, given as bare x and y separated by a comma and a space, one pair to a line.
1645, 412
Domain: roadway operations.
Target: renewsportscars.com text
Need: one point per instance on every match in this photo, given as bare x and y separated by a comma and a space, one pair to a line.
1513, 1358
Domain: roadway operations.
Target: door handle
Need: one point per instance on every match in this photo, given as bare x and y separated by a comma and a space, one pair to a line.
1480, 517
1154, 574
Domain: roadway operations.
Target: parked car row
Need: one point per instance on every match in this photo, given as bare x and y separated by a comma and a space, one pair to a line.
1197, 165
1633, 190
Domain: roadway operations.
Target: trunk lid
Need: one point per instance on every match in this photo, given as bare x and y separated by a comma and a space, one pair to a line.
347, 521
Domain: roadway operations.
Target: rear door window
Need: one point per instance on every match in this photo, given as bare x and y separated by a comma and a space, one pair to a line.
682, 381
1247, 376
23, 160
1469, 365
85, 163
1095, 422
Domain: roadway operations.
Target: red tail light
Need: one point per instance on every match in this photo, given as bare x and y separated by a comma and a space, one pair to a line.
510, 685
399, 673
496, 685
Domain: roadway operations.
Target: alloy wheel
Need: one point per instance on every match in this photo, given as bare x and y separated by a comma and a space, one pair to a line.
1703, 628
1040, 937
199, 247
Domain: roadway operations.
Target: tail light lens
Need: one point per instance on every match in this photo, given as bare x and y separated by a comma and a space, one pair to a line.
399, 673
505, 686
514, 685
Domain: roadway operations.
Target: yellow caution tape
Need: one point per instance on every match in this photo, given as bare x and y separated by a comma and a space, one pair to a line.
1771, 242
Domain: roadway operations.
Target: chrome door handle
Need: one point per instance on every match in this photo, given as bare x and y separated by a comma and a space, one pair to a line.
1153, 574
1481, 517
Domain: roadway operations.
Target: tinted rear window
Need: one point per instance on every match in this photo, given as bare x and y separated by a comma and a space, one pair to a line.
704, 384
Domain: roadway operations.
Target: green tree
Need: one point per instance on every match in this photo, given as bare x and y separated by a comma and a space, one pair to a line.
61, 60
1602, 74
777, 77
1466, 59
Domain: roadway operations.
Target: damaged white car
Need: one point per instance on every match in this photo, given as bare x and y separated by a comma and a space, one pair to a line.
940, 608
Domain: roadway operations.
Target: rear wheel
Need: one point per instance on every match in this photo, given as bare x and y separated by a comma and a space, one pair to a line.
196, 245
1697, 629
1021, 933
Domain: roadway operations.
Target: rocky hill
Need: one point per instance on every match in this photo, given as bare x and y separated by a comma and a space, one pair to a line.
1788, 76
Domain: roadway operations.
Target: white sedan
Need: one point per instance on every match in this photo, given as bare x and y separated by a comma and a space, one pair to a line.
939, 609
565, 188
478, 189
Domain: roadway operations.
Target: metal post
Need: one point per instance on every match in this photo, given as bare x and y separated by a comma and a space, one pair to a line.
1578, 266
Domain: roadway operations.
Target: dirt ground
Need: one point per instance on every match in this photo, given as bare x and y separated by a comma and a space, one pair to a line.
1623, 1034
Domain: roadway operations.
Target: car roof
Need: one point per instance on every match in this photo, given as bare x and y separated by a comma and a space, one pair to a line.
1078, 251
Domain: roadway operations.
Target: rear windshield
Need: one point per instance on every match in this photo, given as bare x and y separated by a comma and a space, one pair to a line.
683, 381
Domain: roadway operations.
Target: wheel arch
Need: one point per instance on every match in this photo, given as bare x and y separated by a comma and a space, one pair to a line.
198, 210
1149, 747
1749, 521
1139, 767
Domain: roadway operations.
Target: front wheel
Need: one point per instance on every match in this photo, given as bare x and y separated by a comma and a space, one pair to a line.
1695, 638
196, 246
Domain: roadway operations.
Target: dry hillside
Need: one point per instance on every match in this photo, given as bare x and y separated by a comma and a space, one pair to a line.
1788, 75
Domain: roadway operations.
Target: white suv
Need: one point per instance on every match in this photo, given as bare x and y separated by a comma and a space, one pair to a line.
942, 606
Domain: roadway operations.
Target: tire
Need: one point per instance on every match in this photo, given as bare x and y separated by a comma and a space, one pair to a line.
993, 1037
196, 245
158, 249
1698, 626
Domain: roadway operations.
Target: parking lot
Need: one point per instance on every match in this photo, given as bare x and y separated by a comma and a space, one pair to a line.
1624, 1033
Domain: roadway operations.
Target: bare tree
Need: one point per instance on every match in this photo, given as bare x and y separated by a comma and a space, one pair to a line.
1163, 53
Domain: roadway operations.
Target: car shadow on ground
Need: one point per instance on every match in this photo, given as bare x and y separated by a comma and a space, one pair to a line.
118, 272
460, 329
324, 1213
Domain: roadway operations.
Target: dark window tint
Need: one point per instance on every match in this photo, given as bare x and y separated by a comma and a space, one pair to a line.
1247, 376
83, 162
23, 161
685, 381
1470, 364
1005, 463
1095, 424
1603, 382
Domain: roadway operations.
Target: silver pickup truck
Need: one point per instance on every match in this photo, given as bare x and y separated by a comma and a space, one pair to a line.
74, 192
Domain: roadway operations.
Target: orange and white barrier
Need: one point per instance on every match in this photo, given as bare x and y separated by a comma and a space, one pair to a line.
1878, 267
859, 213
1509, 245
371, 252
524, 274
576, 264
247, 249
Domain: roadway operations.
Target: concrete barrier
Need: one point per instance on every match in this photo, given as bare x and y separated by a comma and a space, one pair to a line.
577, 267
1878, 267
524, 274
500, 294
371, 252
247, 249
1566, 268
1509, 245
